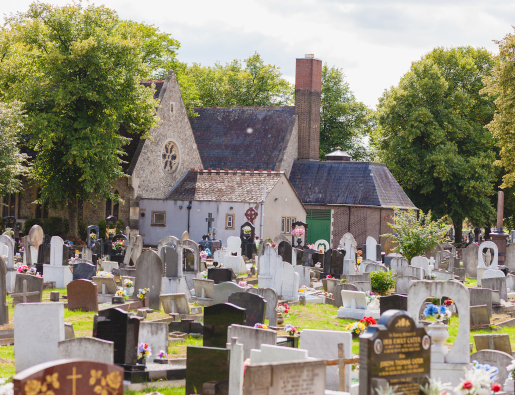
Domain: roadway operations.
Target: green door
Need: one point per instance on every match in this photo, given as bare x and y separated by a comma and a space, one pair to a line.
319, 225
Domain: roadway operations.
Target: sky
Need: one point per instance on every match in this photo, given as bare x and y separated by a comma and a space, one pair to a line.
373, 42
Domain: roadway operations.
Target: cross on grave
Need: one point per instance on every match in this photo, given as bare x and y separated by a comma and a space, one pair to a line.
74, 377
341, 362
24, 294
251, 215
26, 244
209, 221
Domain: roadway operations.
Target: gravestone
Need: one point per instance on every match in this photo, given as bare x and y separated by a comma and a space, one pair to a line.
423, 263
233, 259
4, 310
499, 342
393, 302
403, 283
335, 267
495, 358
479, 318
510, 256
56, 251
58, 271
65, 377
155, 334
175, 303
105, 285
217, 319
413, 271
87, 348
248, 247
34, 284
383, 359
373, 267
254, 305
117, 326
149, 272
203, 288
371, 249
84, 270
220, 275
221, 292
469, 256
284, 250
82, 295
496, 284
271, 303
189, 260
251, 338
205, 365
30, 349
397, 265
170, 258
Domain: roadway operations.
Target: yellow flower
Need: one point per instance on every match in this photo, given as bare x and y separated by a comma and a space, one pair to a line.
301, 290
114, 380
95, 375
32, 387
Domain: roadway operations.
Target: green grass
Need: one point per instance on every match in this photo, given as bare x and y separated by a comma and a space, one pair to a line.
164, 391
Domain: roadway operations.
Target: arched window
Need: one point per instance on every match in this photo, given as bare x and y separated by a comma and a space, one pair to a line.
109, 206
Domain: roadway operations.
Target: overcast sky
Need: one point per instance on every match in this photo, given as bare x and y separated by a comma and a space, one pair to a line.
374, 42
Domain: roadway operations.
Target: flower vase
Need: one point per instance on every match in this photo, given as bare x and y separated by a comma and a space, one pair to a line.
129, 290
142, 361
299, 242
439, 334
294, 341
509, 385
280, 319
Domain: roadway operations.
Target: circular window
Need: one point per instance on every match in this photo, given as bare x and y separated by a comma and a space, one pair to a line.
170, 156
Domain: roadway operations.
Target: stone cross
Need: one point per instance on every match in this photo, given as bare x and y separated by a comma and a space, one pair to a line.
24, 294
27, 243
209, 221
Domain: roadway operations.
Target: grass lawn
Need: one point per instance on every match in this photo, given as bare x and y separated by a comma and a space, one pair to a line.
310, 316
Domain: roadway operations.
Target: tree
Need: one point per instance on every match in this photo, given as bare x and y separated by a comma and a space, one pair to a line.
432, 134
500, 86
344, 122
256, 84
12, 162
80, 84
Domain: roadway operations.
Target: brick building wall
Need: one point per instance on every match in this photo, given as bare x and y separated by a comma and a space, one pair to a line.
308, 83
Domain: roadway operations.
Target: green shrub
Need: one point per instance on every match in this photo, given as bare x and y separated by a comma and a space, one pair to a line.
82, 229
29, 223
120, 226
381, 282
55, 226
102, 229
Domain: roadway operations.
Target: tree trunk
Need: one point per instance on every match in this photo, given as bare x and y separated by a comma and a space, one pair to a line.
458, 231
72, 219
487, 232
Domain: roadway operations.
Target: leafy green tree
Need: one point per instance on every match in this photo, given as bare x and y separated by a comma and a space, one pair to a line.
82, 82
255, 84
344, 122
432, 134
12, 162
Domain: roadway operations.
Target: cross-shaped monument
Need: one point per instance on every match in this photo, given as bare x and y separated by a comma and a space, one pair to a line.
24, 293
209, 221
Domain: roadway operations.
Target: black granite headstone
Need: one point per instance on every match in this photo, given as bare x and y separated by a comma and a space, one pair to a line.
285, 251
220, 275
393, 302
116, 325
248, 247
206, 365
396, 351
84, 270
255, 306
217, 319
336, 268
299, 254
189, 260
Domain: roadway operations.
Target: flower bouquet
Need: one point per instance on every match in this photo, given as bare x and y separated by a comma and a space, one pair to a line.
440, 313
121, 292
247, 230
142, 293
204, 274
203, 254
329, 295
161, 358
208, 252
24, 269
356, 328
118, 244
298, 231
129, 286
368, 321
479, 380
260, 326
103, 274
144, 351
329, 276
290, 329
372, 301
283, 308
93, 236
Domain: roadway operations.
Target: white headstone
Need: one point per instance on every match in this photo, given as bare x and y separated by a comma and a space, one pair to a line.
9, 245
155, 334
422, 262
480, 261
87, 348
56, 251
348, 243
371, 244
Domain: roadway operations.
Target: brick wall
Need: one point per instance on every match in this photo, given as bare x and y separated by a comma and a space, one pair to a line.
308, 80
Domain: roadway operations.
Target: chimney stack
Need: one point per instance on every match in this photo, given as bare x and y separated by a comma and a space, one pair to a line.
308, 90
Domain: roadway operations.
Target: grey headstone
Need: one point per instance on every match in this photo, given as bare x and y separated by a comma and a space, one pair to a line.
271, 303
222, 291
255, 306
170, 261
500, 342
469, 256
34, 284
337, 294
149, 271
479, 318
251, 338
87, 348
496, 358
481, 296
84, 270
496, 284
402, 284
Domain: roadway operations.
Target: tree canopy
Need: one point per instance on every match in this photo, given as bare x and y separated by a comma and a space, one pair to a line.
432, 134
235, 84
12, 162
344, 122
79, 71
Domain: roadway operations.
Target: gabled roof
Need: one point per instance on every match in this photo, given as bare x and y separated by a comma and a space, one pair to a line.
224, 185
243, 137
347, 183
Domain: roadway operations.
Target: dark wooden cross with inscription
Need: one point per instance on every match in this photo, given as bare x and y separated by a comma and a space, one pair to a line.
209, 221
24, 293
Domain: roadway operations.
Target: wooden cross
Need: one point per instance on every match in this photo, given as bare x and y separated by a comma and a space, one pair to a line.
24, 294
74, 377
341, 362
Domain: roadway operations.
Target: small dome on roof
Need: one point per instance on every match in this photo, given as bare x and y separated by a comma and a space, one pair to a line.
339, 155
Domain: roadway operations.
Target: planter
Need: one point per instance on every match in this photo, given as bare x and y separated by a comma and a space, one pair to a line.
129, 290
439, 334
142, 361
280, 319
509, 386
161, 361
294, 341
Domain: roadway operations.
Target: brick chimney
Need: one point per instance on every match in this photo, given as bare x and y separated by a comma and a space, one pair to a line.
308, 89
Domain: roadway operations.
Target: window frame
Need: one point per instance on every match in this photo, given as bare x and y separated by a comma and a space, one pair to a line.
286, 224
232, 217
152, 218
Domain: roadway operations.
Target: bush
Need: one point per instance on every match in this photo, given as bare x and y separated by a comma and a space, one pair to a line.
29, 223
102, 229
120, 226
55, 226
381, 282
82, 230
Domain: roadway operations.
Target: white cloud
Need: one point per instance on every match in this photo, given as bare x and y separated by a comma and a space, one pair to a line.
374, 42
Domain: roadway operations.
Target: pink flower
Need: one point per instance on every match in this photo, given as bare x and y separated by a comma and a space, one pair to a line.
496, 387
467, 385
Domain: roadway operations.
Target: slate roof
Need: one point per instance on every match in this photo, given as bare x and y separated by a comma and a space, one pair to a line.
224, 186
347, 183
223, 138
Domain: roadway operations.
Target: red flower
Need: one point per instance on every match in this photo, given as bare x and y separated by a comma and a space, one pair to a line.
496, 387
467, 385
329, 276
448, 302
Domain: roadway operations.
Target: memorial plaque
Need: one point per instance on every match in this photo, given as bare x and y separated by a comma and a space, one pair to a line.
395, 351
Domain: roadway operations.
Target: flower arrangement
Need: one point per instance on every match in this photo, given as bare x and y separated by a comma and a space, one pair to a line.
298, 231
448, 302
302, 288
208, 252
359, 252
162, 355
435, 387
204, 274
128, 283
329, 276
242, 284
142, 293
117, 244
329, 295
103, 274
247, 230
260, 326
356, 328
438, 312
270, 243
358, 261
311, 246
144, 351
203, 254
121, 292
93, 236
290, 329
368, 321
24, 269
10, 232
479, 380
511, 369
283, 308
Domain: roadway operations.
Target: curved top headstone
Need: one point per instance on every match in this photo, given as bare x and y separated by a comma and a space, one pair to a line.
36, 235
149, 273
480, 261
